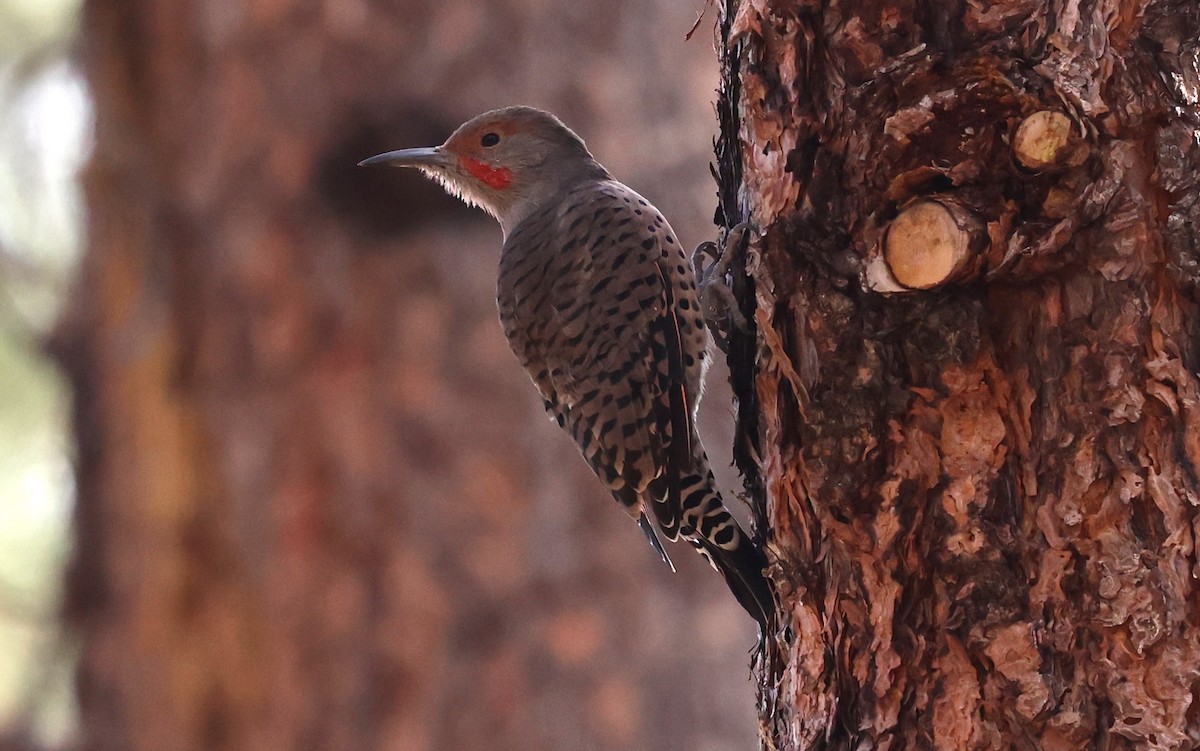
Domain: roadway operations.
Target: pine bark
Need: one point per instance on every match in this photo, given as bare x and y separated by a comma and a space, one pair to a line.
981, 499
319, 504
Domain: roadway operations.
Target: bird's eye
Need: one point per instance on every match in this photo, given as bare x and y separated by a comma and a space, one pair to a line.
489, 139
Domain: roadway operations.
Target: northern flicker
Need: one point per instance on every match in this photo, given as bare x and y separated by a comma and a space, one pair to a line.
599, 303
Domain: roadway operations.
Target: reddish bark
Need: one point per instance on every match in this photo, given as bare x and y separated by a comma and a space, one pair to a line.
982, 499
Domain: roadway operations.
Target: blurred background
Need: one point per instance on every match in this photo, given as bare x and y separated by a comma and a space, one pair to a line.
270, 477
45, 126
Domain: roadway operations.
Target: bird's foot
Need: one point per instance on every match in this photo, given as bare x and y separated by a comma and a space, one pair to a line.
717, 301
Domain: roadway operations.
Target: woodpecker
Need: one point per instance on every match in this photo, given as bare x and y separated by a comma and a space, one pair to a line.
599, 303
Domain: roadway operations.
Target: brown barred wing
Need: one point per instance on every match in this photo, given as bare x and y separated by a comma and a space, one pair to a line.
607, 356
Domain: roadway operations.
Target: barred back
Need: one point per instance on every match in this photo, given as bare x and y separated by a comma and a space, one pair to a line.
599, 303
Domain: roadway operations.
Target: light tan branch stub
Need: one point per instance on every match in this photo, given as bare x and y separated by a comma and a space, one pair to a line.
926, 246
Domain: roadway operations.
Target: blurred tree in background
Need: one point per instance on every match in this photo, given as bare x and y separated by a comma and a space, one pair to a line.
319, 505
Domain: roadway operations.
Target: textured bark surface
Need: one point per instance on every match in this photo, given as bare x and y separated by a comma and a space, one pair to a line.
982, 499
319, 504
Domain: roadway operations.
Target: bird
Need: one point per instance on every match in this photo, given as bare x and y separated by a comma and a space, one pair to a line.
599, 303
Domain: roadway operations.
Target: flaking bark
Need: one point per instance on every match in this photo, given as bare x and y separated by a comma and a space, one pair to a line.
981, 499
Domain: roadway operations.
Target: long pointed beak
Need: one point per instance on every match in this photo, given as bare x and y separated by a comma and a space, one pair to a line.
427, 157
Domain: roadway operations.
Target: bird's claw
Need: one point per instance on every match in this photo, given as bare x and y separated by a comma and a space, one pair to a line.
717, 301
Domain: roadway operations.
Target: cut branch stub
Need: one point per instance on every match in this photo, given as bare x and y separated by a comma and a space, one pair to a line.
930, 243
1041, 140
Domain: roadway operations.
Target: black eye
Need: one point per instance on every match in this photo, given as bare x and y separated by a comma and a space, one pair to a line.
489, 139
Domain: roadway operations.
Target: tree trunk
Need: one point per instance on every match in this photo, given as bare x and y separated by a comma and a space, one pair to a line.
320, 506
968, 403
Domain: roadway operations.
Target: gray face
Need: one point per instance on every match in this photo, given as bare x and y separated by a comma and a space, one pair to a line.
503, 161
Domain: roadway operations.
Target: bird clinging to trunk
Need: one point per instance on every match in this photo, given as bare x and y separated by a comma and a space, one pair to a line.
599, 303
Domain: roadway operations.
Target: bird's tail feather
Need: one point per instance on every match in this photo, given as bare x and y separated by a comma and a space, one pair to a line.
742, 567
709, 526
652, 536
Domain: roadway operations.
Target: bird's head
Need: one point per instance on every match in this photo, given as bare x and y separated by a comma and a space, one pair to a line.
508, 162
